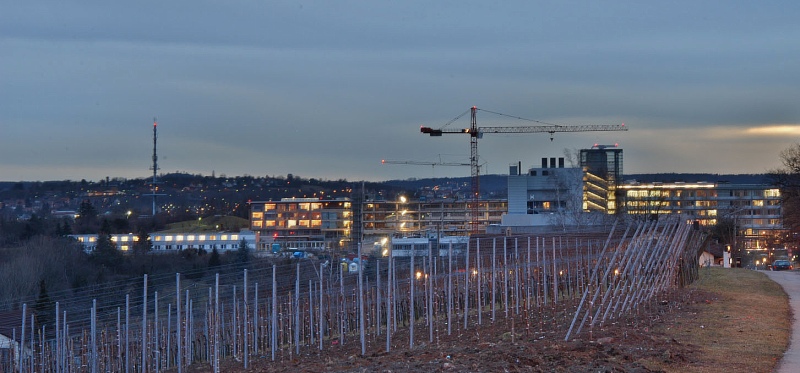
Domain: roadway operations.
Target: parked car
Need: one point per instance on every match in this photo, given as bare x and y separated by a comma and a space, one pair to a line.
782, 265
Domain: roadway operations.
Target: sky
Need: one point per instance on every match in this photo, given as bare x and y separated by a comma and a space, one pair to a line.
327, 89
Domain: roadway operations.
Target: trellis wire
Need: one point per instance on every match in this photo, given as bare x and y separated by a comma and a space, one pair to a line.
545, 279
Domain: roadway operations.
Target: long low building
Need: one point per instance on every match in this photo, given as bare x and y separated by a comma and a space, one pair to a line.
166, 242
420, 246
316, 224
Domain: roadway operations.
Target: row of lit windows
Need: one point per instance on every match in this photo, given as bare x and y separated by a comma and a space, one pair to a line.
285, 210
665, 193
291, 223
123, 246
191, 237
668, 192
124, 238
181, 247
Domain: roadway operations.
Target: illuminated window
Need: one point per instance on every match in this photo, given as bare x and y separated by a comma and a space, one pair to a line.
758, 202
270, 223
92, 239
234, 237
291, 223
212, 237
124, 248
168, 238
114, 238
158, 238
201, 237
257, 224
124, 238
269, 206
224, 237
179, 237
258, 215
190, 237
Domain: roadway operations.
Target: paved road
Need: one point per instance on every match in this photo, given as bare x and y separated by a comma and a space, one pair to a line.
790, 281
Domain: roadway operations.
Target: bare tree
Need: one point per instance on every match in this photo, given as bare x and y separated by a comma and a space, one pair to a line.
572, 156
787, 178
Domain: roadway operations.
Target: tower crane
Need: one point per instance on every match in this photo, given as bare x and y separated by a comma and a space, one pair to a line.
476, 133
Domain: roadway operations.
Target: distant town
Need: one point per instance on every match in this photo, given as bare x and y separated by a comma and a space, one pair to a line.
69, 246
518, 201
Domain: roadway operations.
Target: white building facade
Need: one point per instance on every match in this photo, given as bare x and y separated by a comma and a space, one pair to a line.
169, 242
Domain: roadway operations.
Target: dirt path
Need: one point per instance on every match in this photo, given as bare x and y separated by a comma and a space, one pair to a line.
790, 281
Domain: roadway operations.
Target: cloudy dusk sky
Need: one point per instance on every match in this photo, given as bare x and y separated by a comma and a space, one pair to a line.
326, 89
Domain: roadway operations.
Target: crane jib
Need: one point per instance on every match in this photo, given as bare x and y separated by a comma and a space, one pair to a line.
477, 132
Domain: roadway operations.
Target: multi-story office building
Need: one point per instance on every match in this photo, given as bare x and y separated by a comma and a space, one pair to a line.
755, 209
311, 223
602, 173
540, 195
556, 195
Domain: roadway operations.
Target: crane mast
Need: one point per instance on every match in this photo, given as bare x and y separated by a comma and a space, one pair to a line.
476, 133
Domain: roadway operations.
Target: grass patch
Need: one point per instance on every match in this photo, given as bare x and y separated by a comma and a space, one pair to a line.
739, 321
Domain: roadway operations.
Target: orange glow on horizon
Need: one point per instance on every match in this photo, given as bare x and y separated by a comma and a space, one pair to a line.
780, 129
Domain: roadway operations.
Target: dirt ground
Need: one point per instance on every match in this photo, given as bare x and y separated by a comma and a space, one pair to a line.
634, 345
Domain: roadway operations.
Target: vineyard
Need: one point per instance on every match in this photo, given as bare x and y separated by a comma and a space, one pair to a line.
546, 287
